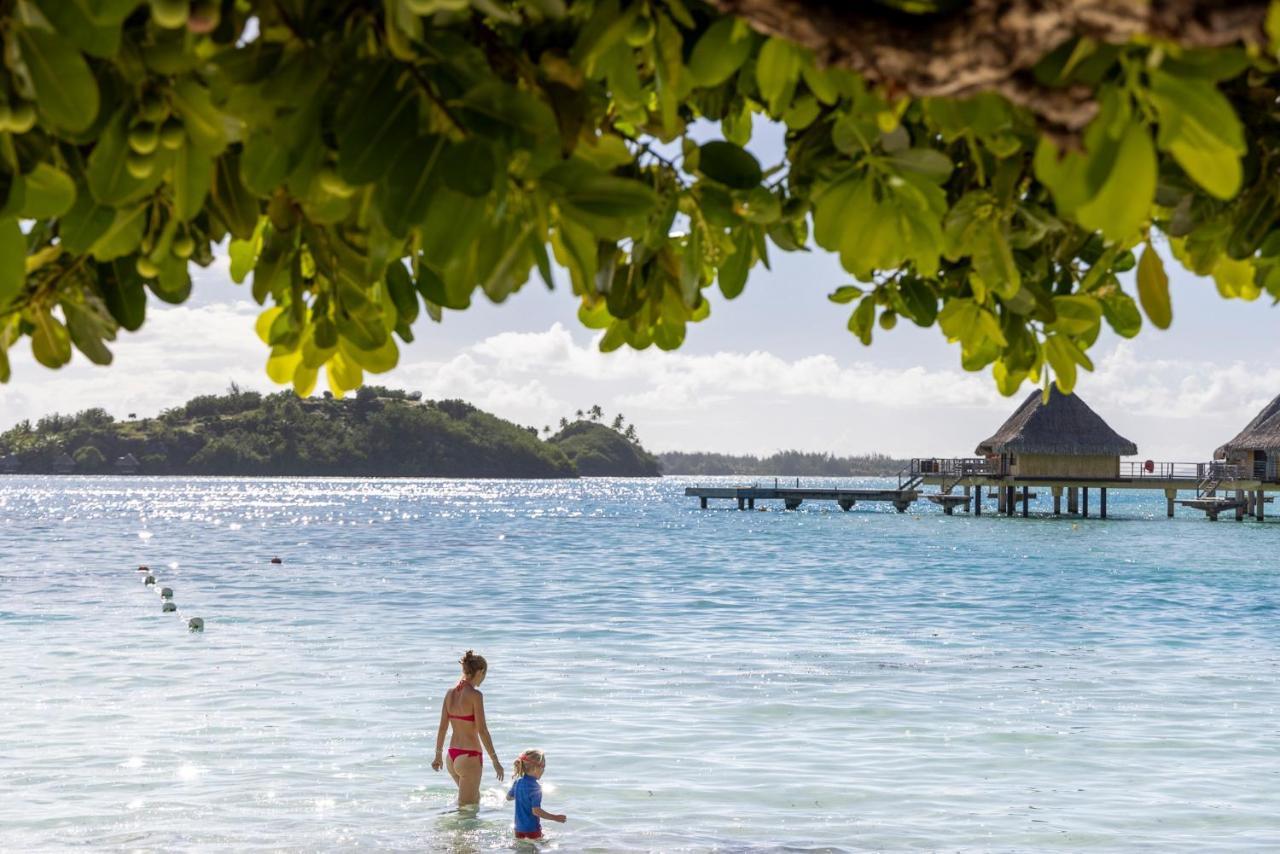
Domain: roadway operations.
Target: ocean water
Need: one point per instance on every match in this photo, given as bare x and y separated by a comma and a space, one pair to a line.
701, 680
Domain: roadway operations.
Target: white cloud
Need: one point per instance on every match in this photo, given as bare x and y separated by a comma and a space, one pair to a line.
728, 400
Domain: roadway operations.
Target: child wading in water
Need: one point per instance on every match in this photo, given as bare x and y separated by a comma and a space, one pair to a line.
527, 793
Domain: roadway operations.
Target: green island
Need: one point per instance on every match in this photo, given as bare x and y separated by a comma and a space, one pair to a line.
380, 432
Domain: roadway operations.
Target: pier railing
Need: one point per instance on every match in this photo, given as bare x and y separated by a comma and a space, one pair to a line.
1197, 472
956, 467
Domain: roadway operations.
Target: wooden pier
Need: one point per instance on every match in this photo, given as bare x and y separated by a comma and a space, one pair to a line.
793, 496
968, 484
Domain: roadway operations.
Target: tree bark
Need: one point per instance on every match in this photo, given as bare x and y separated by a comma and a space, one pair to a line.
991, 45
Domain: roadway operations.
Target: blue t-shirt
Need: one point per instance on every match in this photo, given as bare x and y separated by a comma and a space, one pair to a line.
527, 793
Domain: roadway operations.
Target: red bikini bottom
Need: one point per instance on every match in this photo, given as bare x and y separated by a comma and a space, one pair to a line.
528, 834
455, 752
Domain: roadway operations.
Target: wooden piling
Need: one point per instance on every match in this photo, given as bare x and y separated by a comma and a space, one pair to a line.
1073, 499
1000, 501
742, 504
968, 494
704, 502
1084, 501
1026, 501
1170, 495
1102, 503
1057, 501
1239, 505
1260, 503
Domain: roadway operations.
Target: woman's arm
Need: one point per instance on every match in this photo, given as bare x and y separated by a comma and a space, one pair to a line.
549, 816
482, 727
438, 762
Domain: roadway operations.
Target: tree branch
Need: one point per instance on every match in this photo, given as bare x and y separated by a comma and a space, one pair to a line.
991, 45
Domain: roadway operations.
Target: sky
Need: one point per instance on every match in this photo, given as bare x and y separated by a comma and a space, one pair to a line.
771, 370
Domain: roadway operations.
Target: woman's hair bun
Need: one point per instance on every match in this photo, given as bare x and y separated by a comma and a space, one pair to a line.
472, 663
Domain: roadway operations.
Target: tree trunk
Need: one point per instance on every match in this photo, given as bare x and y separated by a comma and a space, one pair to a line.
991, 45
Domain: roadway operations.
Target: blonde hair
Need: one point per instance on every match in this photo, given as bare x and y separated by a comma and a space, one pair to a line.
472, 663
528, 759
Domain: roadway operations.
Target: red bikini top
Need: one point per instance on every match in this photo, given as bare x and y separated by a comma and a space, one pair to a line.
470, 717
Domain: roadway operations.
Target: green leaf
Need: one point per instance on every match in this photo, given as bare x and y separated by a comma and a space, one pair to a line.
231, 201
87, 221
122, 236
124, 294
929, 162
595, 193
406, 192
204, 123
13, 256
1201, 130
72, 20
845, 294
49, 192
720, 52
730, 165
1122, 313
66, 91
777, 72
1153, 288
379, 125
863, 319
1123, 204
87, 332
1063, 356
735, 268
50, 343
1077, 315
192, 177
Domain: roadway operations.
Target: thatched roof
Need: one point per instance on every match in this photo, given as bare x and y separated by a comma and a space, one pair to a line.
1260, 434
1064, 425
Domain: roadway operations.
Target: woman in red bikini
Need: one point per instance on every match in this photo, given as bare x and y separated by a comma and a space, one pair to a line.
463, 708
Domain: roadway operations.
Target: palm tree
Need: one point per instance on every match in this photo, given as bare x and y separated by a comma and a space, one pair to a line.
580, 414
564, 422
546, 428
596, 412
631, 433
618, 422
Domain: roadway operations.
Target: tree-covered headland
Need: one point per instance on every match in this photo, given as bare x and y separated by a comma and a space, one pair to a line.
988, 167
377, 432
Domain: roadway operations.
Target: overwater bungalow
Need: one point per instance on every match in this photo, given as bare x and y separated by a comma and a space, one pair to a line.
128, 464
1255, 451
1062, 438
63, 464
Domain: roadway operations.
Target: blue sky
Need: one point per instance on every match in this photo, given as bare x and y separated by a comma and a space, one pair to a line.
773, 369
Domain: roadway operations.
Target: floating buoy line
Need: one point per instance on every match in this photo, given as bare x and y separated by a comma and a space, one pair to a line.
167, 605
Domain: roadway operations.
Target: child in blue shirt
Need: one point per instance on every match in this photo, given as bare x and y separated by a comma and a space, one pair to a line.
526, 791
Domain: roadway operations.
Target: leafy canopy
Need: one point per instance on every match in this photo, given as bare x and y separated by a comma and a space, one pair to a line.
370, 161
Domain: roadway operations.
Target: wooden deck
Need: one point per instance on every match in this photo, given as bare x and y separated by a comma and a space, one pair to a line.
968, 484
793, 496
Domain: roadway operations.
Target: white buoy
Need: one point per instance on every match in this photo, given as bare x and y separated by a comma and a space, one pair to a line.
196, 624
168, 606
166, 592
150, 579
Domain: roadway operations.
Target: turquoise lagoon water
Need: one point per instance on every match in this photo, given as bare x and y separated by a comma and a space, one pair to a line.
701, 680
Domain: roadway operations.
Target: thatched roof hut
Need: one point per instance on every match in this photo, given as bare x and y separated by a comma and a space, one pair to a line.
63, 464
1061, 437
128, 464
1257, 446
1260, 434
